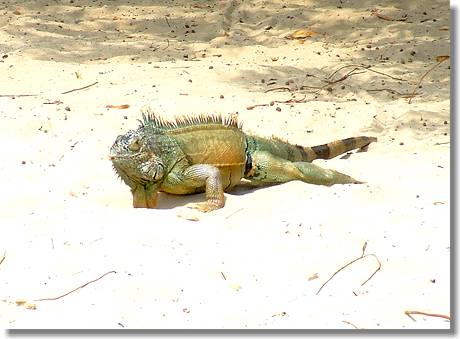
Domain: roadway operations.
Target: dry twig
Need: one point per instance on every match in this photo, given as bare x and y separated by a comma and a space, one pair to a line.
278, 89
328, 81
353, 261
368, 68
408, 313
392, 91
349, 323
80, 88
292, 100
167, 40
3, 258
167, 21
76, 289
440, 60
17, 95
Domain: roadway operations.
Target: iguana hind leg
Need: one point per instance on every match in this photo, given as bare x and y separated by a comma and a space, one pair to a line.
268, 168
208, 176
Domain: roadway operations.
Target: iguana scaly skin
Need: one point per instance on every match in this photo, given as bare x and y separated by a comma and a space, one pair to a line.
212, 154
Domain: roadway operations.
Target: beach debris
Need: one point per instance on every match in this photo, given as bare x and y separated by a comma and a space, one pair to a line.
301, 34
439, 59
410, 313
77, 288
353, 261
125, 106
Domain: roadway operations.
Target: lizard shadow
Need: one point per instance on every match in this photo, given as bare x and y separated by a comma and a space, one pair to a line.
169, 201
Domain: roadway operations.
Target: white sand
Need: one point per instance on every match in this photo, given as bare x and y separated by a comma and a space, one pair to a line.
66, 219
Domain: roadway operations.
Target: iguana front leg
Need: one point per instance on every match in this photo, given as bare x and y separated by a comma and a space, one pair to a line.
267, 168
207, 176
144, 196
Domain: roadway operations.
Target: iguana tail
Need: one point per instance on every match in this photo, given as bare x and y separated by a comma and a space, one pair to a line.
298, 153
335, 148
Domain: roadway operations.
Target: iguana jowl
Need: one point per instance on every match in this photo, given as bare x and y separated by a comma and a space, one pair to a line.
211, 154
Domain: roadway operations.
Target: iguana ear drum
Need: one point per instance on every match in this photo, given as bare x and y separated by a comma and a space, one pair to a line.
134, 145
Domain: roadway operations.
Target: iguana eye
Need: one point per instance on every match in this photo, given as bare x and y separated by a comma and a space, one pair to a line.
134, 145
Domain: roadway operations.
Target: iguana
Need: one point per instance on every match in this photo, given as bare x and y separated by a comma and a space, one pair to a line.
210, 153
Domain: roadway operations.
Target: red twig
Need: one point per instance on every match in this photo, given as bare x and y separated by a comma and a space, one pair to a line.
75, 289
423, 77
408, 313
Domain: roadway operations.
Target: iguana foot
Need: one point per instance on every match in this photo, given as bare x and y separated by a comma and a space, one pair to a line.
205, 207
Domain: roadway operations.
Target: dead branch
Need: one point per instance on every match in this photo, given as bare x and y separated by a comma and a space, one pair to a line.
76, 289
80, 88
351, 262
408, 313
441, 60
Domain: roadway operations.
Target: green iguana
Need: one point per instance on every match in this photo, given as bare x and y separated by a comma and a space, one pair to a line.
209, 153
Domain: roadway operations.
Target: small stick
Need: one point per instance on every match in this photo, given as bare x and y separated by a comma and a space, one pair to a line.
392, 91
408, 313
77, 89
349, 74
223, 275
75, 289
167, 21
233, 213
366, 68
423, 77
349, 323
17, 95
3, 258
289, 101
351, 262
278, 89
378, 268
167, 40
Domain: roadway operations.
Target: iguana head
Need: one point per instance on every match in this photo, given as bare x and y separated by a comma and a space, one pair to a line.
134, 160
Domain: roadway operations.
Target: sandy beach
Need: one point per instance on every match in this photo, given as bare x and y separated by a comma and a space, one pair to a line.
75, 254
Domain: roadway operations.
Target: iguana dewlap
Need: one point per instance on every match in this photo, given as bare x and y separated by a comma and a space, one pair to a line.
211, 154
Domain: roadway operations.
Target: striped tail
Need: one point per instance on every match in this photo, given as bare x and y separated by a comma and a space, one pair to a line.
335, 148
